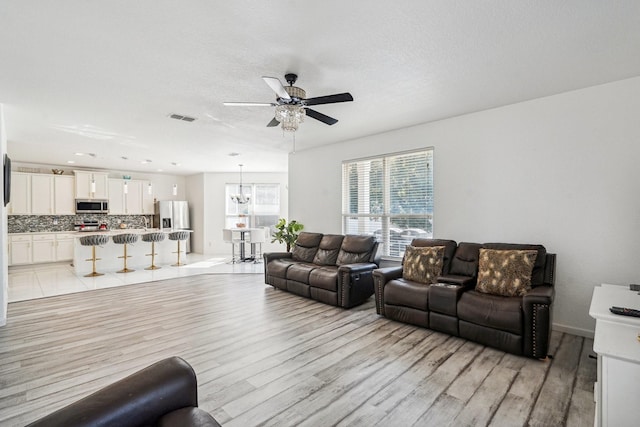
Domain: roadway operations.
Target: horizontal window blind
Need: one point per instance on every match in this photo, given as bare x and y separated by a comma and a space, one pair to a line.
390, 197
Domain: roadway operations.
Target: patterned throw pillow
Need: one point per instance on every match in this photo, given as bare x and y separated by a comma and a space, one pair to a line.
505, 272
423, 264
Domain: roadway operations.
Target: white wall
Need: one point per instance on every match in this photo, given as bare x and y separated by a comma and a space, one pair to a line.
214, 206
4, 242
563, 171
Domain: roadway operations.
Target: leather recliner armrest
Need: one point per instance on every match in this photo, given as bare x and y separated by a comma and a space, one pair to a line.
142, 398
381, 277
270, 256
466, 281
355, 283
536, 306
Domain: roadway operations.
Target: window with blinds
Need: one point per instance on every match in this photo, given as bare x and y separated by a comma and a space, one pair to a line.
390, 197
263, 209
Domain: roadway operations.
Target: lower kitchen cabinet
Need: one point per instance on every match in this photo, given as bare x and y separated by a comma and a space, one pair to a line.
20, 250
37, 248
43, 247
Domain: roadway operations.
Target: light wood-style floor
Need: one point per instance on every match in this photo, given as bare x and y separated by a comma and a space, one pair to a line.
266, 357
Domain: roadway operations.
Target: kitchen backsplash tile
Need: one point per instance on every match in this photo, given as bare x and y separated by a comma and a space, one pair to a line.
44, 223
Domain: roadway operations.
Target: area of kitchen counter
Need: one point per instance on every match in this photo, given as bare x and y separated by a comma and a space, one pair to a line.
116, 231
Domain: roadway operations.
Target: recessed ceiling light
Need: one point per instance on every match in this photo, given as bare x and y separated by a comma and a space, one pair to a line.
70, 161
159, 170
79, 154
144, 162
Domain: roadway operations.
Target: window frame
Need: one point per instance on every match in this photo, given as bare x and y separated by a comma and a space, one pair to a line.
392, 238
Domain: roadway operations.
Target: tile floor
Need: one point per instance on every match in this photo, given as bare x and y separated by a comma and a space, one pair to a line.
44, 280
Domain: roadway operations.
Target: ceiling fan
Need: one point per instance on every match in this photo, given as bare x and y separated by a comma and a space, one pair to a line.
291, 104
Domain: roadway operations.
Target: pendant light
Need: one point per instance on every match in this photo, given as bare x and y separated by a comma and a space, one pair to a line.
241, 198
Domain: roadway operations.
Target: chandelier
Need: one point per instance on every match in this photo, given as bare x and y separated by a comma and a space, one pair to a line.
241, 198
290, 116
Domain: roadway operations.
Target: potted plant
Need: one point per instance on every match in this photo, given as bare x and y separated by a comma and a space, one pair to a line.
287, 233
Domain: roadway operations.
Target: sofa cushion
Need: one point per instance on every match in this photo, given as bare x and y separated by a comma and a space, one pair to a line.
328, 249
405, 293
493, 311
279, 267
505, 272
306, 246
325, 278
300, 272
423, 264
355, 249
449, 249
537, 276
465, 259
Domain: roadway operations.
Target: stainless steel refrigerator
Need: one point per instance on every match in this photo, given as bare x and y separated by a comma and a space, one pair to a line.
173, 215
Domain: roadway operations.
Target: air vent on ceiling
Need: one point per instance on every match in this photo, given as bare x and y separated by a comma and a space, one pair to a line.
181, 117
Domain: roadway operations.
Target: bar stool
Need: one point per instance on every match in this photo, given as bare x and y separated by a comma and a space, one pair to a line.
228, 237
93, 241
257, 237
153, 238
125, 239
179, 236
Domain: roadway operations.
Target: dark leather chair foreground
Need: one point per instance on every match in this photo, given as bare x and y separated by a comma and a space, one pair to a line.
163, 394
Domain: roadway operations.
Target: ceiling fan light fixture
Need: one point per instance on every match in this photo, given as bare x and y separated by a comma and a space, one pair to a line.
290, 116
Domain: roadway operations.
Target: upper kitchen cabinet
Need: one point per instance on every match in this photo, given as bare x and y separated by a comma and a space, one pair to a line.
125, 197
20, 194
147, 198
63, 195
91, 185
41, 194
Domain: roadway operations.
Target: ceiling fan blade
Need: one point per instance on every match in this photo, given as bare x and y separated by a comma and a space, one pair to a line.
322, 117
329, 99
277, 87
250, 104
273, 123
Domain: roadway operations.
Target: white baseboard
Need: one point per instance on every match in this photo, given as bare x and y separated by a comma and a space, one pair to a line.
587, 333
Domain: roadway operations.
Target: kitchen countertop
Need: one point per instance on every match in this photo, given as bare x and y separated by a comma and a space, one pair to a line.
112, 232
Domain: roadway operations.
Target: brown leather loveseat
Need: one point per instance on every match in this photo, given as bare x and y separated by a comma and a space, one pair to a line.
473, 293
330, 268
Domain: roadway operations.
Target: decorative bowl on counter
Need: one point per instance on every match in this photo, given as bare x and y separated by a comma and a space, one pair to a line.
241, 225
57, 171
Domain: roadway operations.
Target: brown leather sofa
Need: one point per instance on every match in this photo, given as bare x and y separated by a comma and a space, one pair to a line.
330, 268
163, 394
516, 324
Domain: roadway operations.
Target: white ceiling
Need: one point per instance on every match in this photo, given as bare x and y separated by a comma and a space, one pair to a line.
101, 77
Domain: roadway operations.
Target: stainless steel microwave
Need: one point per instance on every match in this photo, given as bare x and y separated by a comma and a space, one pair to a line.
96, 206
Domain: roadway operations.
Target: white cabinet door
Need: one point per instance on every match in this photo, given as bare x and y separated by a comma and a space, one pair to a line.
44, 248
64, 247
63, 195
84, 180
19, 250
147, 198
133, 198
41, 194
20, 194
116, 197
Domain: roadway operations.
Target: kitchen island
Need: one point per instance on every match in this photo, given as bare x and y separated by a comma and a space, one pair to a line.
110, 254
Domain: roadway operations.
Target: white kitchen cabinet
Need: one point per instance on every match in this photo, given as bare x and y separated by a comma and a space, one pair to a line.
41, 194
64, 195
43, 248
64, 247
116, 197
83, 185
121, 203
133, 198
147, 198
19, 250
20, 194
